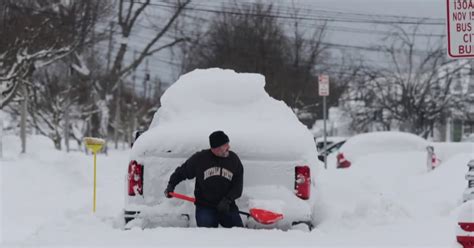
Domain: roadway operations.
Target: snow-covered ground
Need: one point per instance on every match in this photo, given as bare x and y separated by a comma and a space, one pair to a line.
47, 201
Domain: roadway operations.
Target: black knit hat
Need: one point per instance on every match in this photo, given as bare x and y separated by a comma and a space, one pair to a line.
217, 139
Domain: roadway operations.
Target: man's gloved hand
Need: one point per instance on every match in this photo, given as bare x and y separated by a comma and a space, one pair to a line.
224, 205
168, 190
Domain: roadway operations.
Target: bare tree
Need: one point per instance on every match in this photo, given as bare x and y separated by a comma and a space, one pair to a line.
35, 33
246, 40
251, 38
51, 100
107, 85
414, 92
54, 94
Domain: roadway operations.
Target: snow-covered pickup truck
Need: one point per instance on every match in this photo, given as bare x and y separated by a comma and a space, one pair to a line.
276, 150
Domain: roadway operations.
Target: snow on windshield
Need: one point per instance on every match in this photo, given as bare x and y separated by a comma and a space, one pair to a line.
202, 101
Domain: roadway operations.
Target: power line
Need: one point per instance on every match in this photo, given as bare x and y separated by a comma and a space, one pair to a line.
328, 27
312, 18
344, 29
331, 27
329, 45
337, 65
312, 9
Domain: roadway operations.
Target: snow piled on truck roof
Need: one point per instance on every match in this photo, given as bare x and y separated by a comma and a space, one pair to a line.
202, 101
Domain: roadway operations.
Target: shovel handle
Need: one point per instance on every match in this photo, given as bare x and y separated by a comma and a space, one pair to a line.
192, 199
182, 197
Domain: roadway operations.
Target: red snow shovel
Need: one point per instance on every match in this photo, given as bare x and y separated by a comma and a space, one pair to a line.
260, 215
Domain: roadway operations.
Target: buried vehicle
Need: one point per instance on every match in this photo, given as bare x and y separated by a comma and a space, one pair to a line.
276, 150
385, 146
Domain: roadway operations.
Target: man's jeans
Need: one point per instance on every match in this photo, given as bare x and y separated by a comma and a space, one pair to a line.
210, 217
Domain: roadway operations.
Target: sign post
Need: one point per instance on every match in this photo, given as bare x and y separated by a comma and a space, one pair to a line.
324, 91
460, 28
94, 144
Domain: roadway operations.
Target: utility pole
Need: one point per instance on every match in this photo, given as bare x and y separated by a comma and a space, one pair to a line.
158, 88
109, 52
24, 109
133, 105
145, 80
66, 110
1, 136
107, 83
117, 113
134, 73
66, 124
449, 129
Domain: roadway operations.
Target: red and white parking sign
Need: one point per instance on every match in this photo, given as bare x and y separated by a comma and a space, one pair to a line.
323, 85
460, 28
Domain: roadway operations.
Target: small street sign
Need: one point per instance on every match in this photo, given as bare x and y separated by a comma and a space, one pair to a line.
323, 85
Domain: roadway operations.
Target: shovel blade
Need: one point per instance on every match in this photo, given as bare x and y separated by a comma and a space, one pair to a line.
264, 216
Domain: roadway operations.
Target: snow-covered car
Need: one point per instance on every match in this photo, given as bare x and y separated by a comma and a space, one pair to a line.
330, 149
329, 141
276, 150
468, 138
386, 143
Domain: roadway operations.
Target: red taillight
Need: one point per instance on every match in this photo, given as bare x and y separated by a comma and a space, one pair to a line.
467, 226
434, 161
342, 162
302, 182
135, 178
